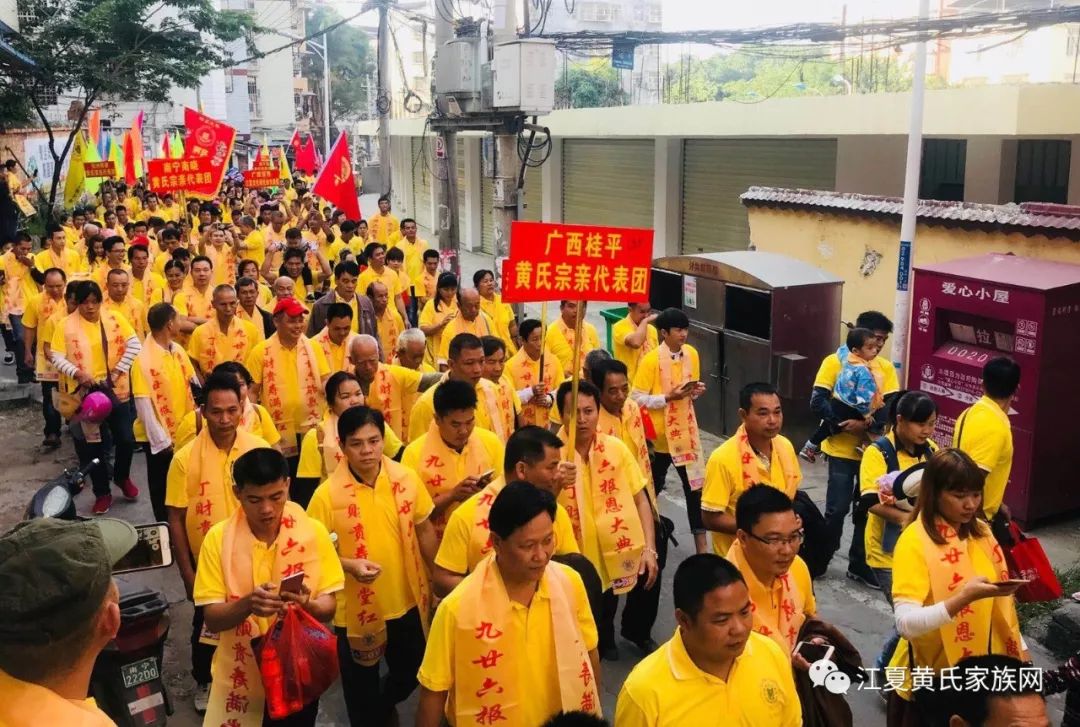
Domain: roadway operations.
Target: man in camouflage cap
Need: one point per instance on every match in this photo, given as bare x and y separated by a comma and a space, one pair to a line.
59, 607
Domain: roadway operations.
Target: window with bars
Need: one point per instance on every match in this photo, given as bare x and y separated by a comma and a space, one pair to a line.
942, 172
253, 97
1042, 170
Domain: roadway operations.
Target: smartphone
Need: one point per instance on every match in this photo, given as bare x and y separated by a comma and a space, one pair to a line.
814, 652
1013, 582
292, 583
152, 550
486, 478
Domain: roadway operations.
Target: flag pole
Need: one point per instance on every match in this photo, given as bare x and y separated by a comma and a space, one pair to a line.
543, 344
571, 434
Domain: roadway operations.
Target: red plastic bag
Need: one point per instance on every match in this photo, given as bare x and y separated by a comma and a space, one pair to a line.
647, 423
1027, 559
298, 662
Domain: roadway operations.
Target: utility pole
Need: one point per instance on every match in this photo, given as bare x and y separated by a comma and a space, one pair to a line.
504, 207
908, 220
445, 176
384, 98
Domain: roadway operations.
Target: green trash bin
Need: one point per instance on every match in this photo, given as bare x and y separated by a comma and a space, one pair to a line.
612, 316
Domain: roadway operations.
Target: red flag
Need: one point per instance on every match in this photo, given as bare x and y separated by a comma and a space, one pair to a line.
336, 183
164, 146
129, 158
208, 137
294, 141
305, 156
93, 126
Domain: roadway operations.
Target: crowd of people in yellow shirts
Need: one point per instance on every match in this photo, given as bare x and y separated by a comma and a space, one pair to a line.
316, 395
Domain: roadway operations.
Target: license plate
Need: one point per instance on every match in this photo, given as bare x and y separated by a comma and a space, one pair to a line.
139, 672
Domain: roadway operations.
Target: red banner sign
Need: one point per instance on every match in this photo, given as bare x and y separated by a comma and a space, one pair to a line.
209, 138
100, 169
180, 175
261, 177
577, 262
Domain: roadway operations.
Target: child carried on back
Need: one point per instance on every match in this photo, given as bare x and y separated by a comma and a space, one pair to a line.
857, 392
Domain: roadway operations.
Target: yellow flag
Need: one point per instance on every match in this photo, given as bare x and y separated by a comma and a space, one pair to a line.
90, 154
76, 176
283, 167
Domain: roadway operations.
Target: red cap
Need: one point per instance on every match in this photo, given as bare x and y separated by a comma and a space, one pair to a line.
290, 306
141, 241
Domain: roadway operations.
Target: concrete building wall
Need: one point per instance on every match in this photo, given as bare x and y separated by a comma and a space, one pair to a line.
871, 164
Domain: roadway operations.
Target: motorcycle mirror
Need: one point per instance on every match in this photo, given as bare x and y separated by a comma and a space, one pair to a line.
152, 550
56, 502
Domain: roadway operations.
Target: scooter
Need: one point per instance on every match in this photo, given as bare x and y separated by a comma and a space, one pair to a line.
126, 681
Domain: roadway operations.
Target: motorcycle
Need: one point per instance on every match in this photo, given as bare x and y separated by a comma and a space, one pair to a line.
126, 681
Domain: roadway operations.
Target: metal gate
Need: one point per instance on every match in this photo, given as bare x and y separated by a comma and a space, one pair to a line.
608, 182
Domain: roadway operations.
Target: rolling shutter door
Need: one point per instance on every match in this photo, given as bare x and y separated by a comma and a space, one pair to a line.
462, 193
717, 171
608, 182
487, 197
421, 177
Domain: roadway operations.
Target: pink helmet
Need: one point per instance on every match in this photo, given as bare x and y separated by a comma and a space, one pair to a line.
95, 407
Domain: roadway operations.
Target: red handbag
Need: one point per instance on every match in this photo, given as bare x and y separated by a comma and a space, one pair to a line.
1027, 560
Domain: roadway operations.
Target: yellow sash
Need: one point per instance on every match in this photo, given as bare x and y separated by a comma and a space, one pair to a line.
224, 262
221, 346
480, 537
487, 650
629, 428
615, 516
210, 490
331, 351
526, 373
14, 296
751, 473
79, 348
236, 695
950, 566
790, 613
365, 626
431, 353
684, 439
47, 308
328, 442
390, 327
149, 285
385, 395
479, 326
487, 395
441, 468
152, 359
307, 375
568, 335
504, 417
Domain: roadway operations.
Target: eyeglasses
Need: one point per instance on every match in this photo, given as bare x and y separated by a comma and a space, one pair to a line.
795, 539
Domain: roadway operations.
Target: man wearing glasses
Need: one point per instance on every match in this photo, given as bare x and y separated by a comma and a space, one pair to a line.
766, 553
756, 454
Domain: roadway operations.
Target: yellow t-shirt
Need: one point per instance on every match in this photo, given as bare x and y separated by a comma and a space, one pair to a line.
414, 252
208, 352
647, 380
261, 425
534, 661
423, 411
667, 689
254, 247
767, 599
190, 302
138, 287
561, 348
843, 445
131, 310
480, 326
388, 277
312, 463
175, 376
24, 703
870, 469
724, 482
627, 474
69, 261
381, 226
33, 318
289, 383
457, 554
390, 327
630, 356
455, 470
382, 535
987, 438
15, 270
98, 368
210, 578
176, 491
430, 317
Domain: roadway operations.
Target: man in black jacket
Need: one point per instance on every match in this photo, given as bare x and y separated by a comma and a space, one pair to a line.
345, 274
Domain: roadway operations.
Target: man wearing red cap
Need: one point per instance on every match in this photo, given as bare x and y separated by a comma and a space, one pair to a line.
145, 283
289, 372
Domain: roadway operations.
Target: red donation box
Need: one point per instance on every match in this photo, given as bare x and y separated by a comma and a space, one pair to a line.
966, 312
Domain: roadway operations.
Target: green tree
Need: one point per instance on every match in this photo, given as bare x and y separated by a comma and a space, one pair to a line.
589, 85
116, 50
351, 63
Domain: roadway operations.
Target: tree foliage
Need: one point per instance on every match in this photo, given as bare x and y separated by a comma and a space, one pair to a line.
116, 50
590, 85
351, 62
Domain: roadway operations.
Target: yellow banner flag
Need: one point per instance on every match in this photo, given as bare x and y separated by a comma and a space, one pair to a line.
283, 168
76, 176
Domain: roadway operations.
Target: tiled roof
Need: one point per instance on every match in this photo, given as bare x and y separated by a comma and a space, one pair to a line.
1050, 219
